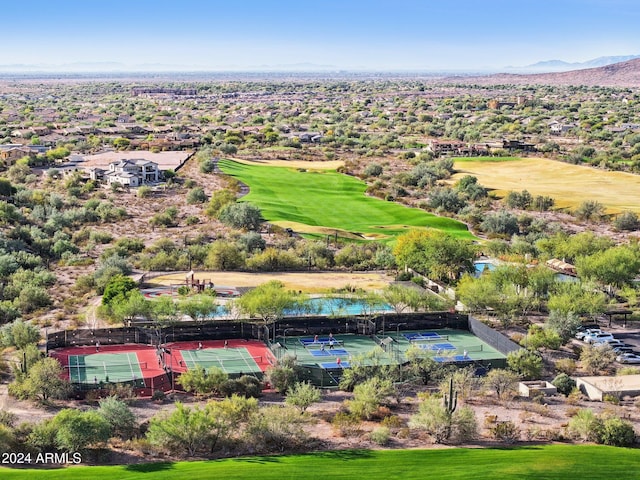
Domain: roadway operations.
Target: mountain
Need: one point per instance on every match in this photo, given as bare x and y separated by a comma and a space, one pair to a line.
622, 74
549, 66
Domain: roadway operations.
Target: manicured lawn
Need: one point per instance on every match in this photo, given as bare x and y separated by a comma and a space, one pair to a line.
326, 202
568, 184
551, 462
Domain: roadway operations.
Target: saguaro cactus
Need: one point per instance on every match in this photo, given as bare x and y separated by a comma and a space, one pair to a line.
451, 400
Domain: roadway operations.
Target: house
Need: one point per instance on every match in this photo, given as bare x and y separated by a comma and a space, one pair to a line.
557, 128
445, 147
130, 173
9, 153
518, 145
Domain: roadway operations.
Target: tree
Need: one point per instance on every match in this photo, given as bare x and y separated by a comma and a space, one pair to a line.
282, 377
435, 254
500, 223
368, 396
596, 358
77, 430
19, 334
612, 268
227, 415
121, 419
201, 381
590, 210
538, 337
269, 301
243, 215
526, 363
44, 381
185, 429
199, 307
218, 200
224, 255
565, 324
577, 298
401, 297
302, 395
129, 307
118, 286
503, 382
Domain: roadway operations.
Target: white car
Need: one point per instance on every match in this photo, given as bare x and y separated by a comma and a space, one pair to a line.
597, 337
614, 342
583, 333
628, 358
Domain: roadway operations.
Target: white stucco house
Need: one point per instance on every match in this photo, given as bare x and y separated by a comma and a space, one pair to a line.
132, 173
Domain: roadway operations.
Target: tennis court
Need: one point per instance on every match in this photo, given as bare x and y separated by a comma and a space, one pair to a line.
233, 360
446, 345
106, 367
335, 351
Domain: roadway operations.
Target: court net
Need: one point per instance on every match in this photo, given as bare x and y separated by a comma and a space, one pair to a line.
107, 366
470, 348
228, 361
434, 339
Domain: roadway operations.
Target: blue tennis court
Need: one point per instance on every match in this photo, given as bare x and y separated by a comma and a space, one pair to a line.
454, 358
328, 353
436, 346
335, 365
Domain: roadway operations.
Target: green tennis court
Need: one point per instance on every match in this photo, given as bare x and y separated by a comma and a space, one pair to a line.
229, 360
105, 367
446, 345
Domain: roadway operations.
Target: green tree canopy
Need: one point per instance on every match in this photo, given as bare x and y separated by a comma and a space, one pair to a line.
269, 301
435, 254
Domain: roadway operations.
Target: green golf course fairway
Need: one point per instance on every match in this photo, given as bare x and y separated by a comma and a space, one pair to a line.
551, 462
326, 202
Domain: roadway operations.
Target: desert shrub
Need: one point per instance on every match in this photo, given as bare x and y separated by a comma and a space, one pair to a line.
158, 396
380, 435
617, 432
282, 377
564, 383
585, 426
566, 365
392, 421
506, 432
628, 371
346, 424
526, 363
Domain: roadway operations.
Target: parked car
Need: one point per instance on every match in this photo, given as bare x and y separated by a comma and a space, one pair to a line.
587, 331
597, 337
614, 342
625, 349
628, 358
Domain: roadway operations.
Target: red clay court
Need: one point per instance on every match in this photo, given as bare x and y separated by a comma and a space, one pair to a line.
148, 368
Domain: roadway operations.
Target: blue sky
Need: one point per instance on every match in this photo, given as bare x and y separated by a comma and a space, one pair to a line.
370, 34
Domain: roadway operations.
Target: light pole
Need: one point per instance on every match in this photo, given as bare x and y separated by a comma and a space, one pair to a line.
398, 330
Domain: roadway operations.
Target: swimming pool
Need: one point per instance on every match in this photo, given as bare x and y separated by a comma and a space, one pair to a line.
481, 267
338, 306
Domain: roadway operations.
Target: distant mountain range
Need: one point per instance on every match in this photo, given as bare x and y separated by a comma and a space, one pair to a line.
549, 66
622, 74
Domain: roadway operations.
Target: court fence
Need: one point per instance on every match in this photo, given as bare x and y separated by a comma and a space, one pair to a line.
148, 334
